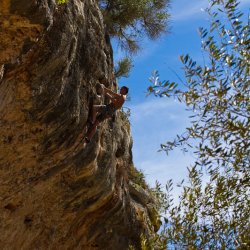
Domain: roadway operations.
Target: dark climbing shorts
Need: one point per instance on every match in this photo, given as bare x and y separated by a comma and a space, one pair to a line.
107, 111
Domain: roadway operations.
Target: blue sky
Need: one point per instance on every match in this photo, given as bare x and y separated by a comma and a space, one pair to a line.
153, 120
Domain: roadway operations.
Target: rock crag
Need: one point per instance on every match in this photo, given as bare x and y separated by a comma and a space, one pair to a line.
54, 192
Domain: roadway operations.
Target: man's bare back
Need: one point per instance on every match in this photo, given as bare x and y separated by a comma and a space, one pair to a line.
116, 99
102, 112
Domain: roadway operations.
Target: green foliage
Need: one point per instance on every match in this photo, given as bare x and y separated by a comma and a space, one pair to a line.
154, 242
123, 68
61, 1
125, 115
129, 20
214, 215
131, 248
138, 177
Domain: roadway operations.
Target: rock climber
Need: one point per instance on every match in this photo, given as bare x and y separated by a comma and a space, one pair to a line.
103, 112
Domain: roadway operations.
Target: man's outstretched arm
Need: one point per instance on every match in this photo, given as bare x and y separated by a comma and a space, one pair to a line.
110, 93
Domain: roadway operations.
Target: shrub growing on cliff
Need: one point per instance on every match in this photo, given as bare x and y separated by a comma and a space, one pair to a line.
61, 1
123, 67
137, 176
214, 215
129, 20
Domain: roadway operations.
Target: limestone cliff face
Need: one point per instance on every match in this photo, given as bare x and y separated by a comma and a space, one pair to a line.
54, 192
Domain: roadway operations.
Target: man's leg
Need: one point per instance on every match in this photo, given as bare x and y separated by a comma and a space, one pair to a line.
91, 131
96, 109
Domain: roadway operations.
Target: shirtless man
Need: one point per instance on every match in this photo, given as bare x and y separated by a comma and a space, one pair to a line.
102, 112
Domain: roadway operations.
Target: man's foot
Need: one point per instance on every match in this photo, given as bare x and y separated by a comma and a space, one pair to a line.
87, 140
90, 121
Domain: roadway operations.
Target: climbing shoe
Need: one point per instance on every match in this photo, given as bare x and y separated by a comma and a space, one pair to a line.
87, 140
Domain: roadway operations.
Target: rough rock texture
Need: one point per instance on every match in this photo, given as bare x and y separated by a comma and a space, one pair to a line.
55, 193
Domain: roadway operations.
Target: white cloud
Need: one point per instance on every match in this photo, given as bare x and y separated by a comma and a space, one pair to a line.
244, 2
154, 107
149, 48
161, 167
185, 9
154, 122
